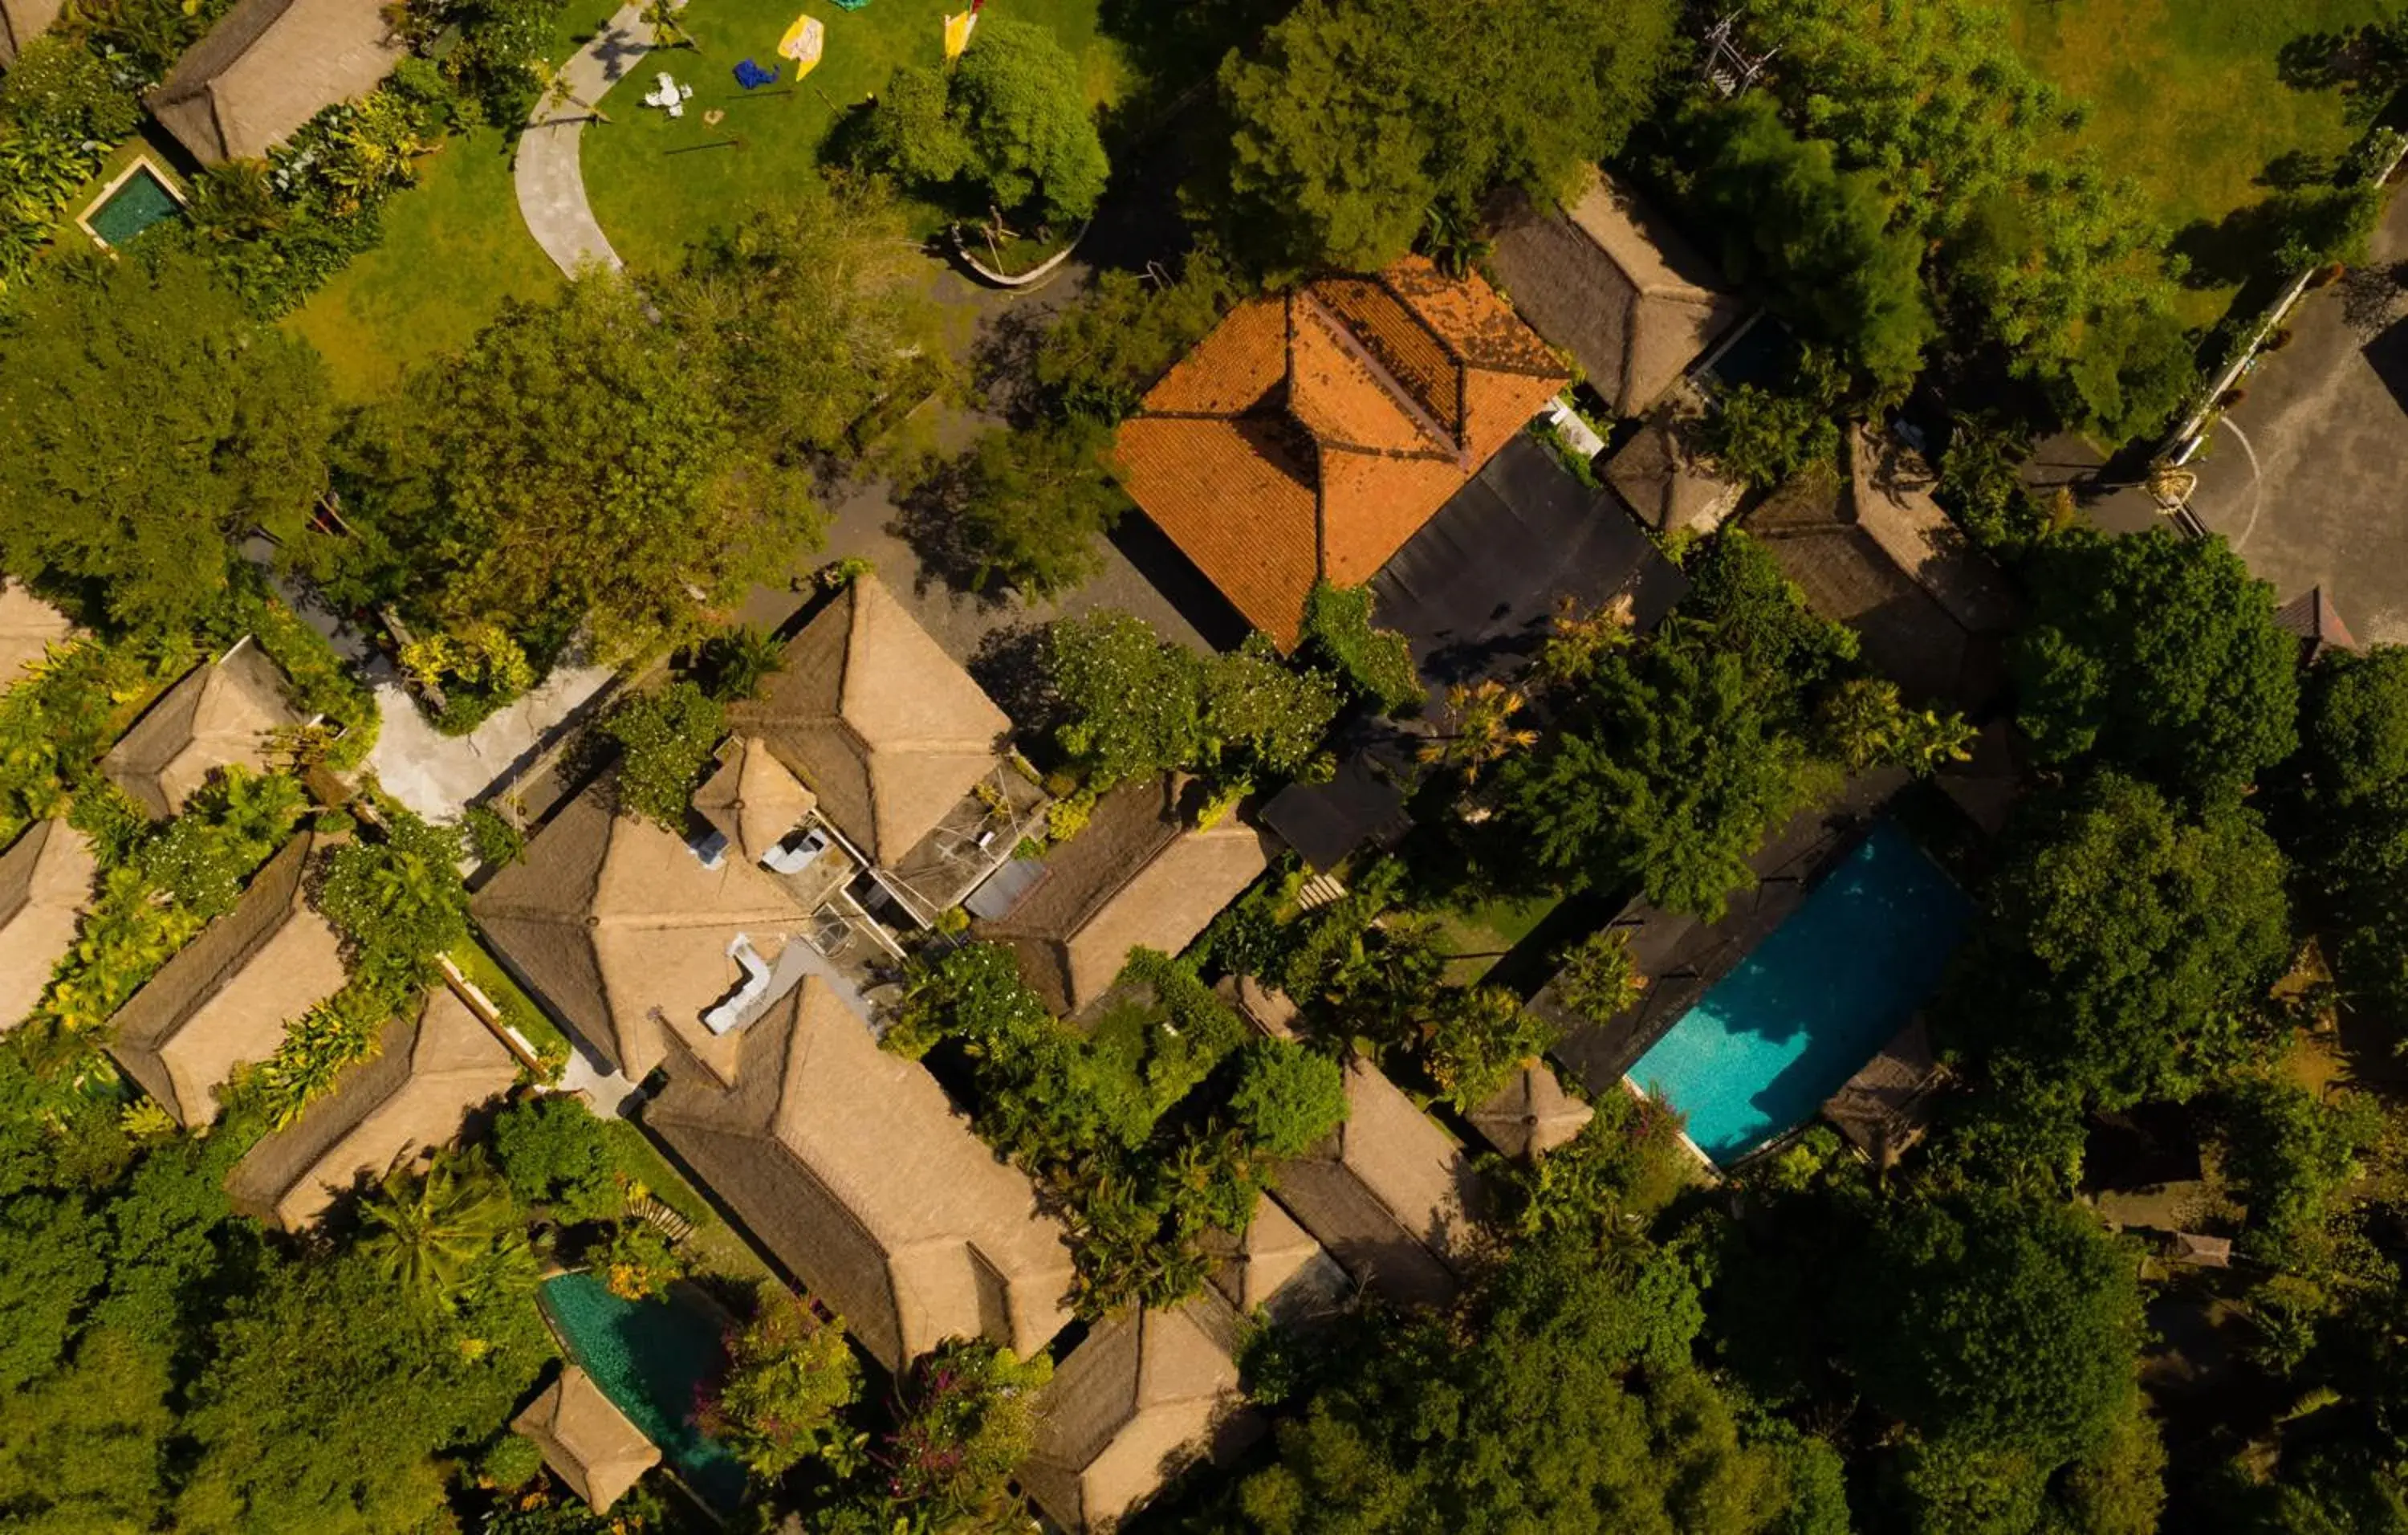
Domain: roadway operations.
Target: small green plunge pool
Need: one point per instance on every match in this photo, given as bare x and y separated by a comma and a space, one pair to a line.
133, 205
650, 1357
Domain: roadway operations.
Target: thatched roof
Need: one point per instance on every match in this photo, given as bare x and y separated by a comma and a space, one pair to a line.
1388, 1193
1605, 279
429, 1071
751, 800
1275, 1265
223, 714
1661, 475
1137, 874
1145, 1394
28, 625
1885, 1108
1531, 1113
871, 712
21, 21
45, 880
1891, 491
267, 67
851, 1167
586, 1441
225, 998
626, 935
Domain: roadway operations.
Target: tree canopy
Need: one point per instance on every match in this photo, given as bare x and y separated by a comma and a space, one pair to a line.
1013, 121
575, 467
2158, 654
1357, 117
147, 424
2126, 947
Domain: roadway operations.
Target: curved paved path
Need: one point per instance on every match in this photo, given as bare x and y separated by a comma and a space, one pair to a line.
550, 181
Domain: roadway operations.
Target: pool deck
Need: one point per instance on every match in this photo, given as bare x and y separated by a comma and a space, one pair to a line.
1682, 956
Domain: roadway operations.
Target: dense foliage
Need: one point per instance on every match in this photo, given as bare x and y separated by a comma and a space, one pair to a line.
1011, 125
1132, 704
666, 738
146, 425
1357, 120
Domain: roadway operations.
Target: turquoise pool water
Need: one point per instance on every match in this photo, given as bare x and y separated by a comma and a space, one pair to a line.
139, 201
1766, 1044
648, 1357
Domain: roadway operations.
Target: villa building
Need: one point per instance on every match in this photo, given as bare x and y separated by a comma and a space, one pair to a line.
46, 879
267, 67
224, 713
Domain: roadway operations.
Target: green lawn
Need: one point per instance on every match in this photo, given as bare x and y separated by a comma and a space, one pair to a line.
1479, 936
2185, 97
453, 249
658, 184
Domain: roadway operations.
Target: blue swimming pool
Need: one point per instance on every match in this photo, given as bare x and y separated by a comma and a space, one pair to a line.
1766, 1044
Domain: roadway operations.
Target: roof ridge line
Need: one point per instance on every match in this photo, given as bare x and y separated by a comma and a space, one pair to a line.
1348, 342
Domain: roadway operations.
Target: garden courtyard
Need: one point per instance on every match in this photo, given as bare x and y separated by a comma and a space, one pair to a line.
455, 248
2187, 99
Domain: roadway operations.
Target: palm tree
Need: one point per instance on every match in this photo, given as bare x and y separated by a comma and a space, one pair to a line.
428, 1232
1484, 731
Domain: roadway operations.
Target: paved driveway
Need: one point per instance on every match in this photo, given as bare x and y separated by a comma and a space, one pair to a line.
2308, 476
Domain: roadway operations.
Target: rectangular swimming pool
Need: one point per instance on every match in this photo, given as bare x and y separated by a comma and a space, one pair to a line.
1766, 1044
650, 1357
138, 199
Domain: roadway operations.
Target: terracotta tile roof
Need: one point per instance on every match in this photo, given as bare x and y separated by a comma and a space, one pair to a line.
1314, 433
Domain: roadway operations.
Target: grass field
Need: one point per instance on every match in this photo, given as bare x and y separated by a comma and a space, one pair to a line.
454, 247
657, 183
2186, 101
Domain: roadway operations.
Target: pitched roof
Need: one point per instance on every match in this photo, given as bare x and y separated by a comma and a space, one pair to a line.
586, 1441
2311, 616
1530, 1113
1137, 874
1145, 1394
430, 1069
1891, 490
1388, 1193
1664, 480
28, 625
623, 932
267, 67
1884, 1106
1312, 432
1609, 281
1275, 1265
871, 712
45, 880
223, 713
852, 1168
224, 999
752, 800
21, 21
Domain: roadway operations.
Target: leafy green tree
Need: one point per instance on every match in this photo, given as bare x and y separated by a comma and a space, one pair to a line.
2354, 727
1013, 121
816, 312
2126, 950
1287, 1097
552, 1151
1133, 704
1819, 239
1376, 664
1995, 1326
2158, 654
1097, 361
50, 1251
86, 1448
1025, 509
1476, 1037
146, 425
665, 737
2291, 1154
427, 1233
1262, 718
1531, 1415
968, 1419
790, 1377
573, 467
1667, 775
1599, 977
1981, 484
322, 1405
1741, 601
1357, 117
399, 899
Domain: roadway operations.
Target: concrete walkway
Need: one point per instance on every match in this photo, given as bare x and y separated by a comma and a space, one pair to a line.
551, 180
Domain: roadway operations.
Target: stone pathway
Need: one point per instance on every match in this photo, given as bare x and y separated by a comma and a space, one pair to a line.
551, 180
